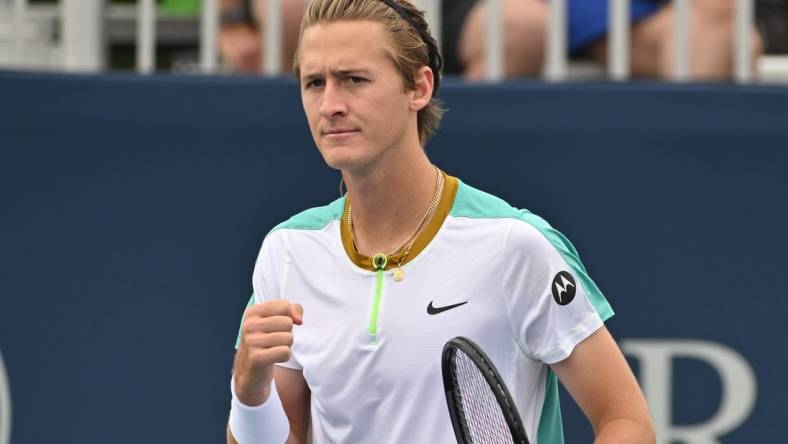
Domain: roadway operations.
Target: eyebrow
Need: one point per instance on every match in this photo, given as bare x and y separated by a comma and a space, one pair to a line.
338, 73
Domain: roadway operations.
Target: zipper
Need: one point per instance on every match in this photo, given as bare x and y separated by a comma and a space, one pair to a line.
379, 261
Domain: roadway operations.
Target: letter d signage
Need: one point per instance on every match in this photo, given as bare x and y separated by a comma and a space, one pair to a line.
656, 379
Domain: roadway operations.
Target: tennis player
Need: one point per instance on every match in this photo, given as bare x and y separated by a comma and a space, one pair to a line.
354, 301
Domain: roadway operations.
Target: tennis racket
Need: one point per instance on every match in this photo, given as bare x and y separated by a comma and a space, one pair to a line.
482, 410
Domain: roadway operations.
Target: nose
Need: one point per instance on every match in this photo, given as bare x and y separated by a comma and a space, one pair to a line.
333, 101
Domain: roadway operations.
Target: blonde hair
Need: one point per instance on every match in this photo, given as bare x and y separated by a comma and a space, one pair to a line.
411, 48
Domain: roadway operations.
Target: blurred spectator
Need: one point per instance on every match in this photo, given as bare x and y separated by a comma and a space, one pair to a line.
240, 40
525, 24
463, 36
773, 25
712, 29
711, 23
240, 33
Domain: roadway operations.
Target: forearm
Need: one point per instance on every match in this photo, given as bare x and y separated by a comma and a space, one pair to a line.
626, 431
291, 439
253, 393
265, 423
230, 437
601, 382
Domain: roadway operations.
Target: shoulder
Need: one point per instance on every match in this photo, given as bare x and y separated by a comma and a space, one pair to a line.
473, 203
305, 230
312, 219
527, 231
310, 223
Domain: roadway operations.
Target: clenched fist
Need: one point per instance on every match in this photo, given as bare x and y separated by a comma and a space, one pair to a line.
266, 338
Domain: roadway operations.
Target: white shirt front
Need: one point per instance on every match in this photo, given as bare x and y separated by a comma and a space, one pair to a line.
502, 264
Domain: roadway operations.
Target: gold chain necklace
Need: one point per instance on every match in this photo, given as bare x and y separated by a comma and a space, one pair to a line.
399, 274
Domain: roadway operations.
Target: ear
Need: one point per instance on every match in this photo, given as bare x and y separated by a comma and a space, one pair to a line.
422, 90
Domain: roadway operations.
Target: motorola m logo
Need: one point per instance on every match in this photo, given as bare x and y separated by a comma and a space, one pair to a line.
5, 405
564, 288
739, 389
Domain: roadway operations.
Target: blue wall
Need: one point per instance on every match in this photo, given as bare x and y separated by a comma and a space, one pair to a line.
131, 211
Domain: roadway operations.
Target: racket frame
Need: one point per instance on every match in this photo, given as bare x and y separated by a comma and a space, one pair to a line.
494, 381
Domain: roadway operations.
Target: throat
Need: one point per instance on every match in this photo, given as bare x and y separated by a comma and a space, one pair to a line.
375, 245
393, 234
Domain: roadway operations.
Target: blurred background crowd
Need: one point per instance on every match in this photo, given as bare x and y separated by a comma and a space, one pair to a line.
525, 23
462, 35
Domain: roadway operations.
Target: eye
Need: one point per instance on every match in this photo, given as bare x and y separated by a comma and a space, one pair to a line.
315, 83
356, 80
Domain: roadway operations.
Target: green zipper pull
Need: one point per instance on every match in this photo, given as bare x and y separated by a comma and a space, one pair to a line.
379, 261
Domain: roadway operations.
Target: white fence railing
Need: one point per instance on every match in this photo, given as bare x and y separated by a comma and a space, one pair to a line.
82, 25
209, 33
742, 41
146, 36
82, 45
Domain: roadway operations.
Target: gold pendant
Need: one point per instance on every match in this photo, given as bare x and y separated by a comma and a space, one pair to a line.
399, 274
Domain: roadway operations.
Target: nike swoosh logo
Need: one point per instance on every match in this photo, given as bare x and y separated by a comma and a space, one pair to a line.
435, 310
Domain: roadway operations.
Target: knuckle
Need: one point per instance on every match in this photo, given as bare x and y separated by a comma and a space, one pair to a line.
252, 310
277, 324
280, 339
253, 340
251, 326
269, 341
280, 353
269, 308
275, 305
259, 356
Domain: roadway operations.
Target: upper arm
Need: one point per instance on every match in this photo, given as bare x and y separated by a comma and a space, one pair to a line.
601, 382
294, 393
552, 302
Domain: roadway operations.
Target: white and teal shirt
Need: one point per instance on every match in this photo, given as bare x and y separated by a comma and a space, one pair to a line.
370, 346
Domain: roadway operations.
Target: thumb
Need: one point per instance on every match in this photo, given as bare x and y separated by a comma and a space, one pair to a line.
297, 313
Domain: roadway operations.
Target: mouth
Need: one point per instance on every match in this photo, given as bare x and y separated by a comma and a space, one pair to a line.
340, 132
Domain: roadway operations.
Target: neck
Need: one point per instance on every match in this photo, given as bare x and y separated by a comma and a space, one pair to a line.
389, 203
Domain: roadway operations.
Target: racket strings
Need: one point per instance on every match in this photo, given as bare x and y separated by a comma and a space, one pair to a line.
483, 417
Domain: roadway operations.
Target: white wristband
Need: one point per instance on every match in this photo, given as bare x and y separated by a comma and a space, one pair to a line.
262, 424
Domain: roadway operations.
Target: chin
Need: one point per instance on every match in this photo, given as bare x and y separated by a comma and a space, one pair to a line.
342, 157
342, 164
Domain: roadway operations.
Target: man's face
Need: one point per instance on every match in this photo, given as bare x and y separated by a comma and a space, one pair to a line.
352, 94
